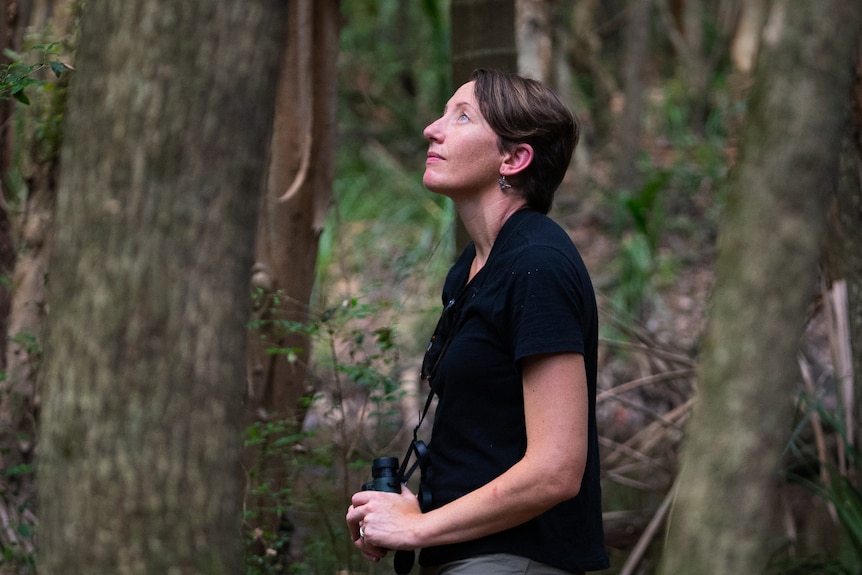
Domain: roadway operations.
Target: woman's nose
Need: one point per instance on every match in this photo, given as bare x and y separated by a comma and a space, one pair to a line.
432, 131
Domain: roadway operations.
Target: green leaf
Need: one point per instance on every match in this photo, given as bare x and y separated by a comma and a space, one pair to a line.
58, 68
21, 97
18, 470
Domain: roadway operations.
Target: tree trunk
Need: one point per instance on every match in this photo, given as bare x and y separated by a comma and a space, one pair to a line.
27, 221
483, 36
9, 25
745, 44
698, 56
852, 243
842, 266
11, 497
294, 206
722, 519
630, 129
583, 57
168, 126
534, 36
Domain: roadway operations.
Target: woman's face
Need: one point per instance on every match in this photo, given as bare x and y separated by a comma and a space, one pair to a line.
463, 155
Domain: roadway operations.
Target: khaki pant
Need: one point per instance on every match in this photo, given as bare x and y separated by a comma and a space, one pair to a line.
494, 564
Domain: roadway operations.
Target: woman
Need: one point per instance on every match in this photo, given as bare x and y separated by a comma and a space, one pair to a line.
514, 471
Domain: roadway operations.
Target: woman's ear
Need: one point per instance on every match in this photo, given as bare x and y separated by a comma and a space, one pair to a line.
517, 160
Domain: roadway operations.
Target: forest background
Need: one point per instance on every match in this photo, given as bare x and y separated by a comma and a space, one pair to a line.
718, 169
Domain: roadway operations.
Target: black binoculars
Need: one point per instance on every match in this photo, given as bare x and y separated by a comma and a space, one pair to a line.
385, 476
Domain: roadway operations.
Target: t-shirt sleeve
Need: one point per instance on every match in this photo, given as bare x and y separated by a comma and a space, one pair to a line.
546, 303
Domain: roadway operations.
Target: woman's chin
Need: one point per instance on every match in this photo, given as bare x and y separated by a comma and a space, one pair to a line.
433, 186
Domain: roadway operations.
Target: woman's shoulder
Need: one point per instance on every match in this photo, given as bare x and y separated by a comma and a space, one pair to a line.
532, 227
539, 236
541, 250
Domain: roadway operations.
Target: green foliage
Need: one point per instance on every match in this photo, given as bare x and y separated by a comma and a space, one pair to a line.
23, 562
38, 78
641, 264
16, 552
833, 485
847, 499
16, 547
355, 399
29, 342
393, 80
393, 69
680, 200
17, 76
266, 548
645, 209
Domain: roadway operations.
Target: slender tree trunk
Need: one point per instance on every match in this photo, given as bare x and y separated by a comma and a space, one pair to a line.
9, 450
27, 224
19, 394
584, 50
483, 36
745, 44
842, 265
852, 242
168, 126
534, 37
9, 24
630, 128
294, 206
685, 24
722, 519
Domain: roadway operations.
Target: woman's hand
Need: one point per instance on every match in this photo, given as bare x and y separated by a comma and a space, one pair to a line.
556, 416
380, 522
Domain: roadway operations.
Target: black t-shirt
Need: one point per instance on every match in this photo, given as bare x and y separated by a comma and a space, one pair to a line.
533, 296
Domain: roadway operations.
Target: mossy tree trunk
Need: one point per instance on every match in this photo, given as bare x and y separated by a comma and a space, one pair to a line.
723, 516
168, 125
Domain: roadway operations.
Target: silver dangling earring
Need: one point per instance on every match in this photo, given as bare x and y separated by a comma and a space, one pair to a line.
504, 185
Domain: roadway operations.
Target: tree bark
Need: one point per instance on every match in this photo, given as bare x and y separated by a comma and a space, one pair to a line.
294, 206
722, 519
168, 124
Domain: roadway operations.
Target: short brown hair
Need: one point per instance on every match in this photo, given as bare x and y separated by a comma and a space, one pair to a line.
521, 110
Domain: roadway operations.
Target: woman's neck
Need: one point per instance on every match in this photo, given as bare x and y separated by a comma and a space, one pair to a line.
483, 222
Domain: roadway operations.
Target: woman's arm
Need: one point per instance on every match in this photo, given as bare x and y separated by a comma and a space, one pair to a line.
556, 412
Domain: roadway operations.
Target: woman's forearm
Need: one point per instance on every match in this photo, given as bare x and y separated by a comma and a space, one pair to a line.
525, 491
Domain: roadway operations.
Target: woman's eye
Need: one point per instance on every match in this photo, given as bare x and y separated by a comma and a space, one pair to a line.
463, 116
